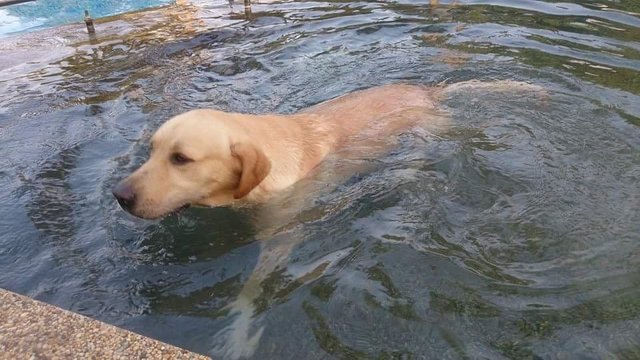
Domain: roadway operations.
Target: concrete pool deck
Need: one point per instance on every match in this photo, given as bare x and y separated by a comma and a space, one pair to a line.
30, 329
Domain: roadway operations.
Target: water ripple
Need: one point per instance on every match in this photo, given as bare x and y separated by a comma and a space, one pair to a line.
512, 234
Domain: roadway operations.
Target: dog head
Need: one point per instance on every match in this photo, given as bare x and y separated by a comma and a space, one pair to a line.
202, 157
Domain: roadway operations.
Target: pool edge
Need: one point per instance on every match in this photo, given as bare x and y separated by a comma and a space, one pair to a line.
32, 329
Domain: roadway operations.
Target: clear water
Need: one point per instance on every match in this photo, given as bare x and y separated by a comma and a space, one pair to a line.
46, 13
515, 234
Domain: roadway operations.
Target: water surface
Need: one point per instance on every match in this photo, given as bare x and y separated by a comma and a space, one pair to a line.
513, 234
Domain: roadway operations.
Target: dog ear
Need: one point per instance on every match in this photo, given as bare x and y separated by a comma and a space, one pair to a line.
255, 167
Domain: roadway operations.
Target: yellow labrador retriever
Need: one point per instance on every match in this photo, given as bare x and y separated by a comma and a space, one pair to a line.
214, 158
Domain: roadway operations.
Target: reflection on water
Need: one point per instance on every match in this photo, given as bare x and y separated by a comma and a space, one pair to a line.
513, 234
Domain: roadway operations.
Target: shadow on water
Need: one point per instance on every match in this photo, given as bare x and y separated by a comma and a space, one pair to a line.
52, 211
514, 234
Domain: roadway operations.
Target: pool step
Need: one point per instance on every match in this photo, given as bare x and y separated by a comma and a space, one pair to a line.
13, 2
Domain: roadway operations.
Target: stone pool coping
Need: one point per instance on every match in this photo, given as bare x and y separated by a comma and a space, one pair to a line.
30, 329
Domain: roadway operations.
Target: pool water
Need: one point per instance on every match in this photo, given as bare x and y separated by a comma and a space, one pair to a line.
513, 234
47, 13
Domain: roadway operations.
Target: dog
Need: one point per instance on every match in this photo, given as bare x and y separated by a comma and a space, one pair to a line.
213, 158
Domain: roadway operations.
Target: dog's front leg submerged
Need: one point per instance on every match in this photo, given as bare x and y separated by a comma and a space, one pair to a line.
272, 279
241, 338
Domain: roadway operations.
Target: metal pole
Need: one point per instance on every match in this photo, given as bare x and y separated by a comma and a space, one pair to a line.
89, 22
247, 9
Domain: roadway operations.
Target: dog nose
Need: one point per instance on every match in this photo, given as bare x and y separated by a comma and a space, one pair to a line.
125, 195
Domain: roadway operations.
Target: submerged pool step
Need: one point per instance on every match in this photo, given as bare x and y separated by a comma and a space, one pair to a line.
13, 2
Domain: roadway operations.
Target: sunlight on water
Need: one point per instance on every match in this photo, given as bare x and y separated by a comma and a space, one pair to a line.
512, 234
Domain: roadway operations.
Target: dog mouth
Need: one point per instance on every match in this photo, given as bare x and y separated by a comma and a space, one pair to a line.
160, 215
180, 209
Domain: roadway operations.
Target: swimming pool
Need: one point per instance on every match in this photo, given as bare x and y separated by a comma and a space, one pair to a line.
516, 234
47, 13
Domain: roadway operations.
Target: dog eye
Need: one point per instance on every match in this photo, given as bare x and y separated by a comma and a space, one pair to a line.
180, 159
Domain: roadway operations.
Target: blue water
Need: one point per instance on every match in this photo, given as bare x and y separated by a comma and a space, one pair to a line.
47, 13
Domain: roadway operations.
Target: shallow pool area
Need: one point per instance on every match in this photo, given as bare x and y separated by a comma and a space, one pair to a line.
513, 234
41, 14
